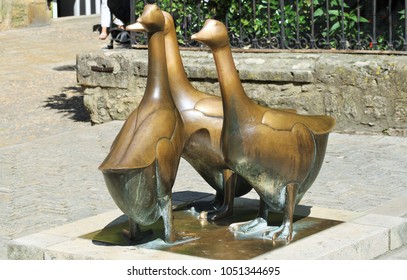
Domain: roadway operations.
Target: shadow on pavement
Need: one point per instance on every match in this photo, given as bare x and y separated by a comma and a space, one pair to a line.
70, 103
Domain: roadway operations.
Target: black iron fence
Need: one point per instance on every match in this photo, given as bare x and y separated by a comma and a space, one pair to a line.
293, 24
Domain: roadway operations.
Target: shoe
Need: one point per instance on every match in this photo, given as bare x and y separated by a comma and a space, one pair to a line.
103, 36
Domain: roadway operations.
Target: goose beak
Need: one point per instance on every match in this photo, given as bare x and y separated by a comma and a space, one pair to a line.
136, 27
213, 34
200, 37
195, 36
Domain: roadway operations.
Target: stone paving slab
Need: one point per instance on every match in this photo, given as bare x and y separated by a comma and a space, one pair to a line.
39, 94
397, 254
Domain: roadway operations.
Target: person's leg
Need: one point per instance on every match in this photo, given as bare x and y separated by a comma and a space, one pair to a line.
104, 19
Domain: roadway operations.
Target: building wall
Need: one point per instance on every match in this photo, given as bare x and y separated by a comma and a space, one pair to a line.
65, 8
22, 13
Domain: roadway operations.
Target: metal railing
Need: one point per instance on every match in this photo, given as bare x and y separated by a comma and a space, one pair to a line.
358, 25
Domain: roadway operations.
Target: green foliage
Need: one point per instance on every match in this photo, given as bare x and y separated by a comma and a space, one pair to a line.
341, 22
261, 19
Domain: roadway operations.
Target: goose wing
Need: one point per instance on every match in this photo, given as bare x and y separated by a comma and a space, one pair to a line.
285, 120
211, 106
135, 145
288, 154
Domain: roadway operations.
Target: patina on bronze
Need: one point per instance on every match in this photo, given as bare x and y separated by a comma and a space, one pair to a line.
141, 167
214, 239
279, 153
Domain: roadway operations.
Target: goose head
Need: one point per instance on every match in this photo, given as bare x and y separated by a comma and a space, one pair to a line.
169, 22
214, 34
151, 21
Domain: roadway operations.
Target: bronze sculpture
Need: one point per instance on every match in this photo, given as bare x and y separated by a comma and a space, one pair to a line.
203, 116
278, 152
141, 167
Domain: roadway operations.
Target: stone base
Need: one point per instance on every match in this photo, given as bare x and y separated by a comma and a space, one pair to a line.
355, 236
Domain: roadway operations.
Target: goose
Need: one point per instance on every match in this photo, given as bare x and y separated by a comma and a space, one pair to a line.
278, 152
143, 161
203, 116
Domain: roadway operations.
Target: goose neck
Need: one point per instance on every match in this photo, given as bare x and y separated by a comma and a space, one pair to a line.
174, 61
157, 78
229, 81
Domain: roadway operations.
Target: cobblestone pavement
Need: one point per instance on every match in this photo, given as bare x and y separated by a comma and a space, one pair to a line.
39, 95
40, 98
49, 152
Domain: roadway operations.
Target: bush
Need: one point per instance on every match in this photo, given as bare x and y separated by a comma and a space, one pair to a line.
270, 24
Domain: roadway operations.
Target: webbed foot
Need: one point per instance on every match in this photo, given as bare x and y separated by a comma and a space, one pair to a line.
253, 229
284, 233
244, 227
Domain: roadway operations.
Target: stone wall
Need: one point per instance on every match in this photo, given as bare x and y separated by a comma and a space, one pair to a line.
22, 13
364, 93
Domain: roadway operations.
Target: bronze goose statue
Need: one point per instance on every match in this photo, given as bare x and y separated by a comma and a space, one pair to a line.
203, 116
278, 152
141, 167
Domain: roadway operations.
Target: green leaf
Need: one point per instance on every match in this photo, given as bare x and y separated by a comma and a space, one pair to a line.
352, 17
334, 12
335, 27
319, 12
362, 19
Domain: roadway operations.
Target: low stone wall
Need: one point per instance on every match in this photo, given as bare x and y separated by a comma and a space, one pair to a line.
364, 93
